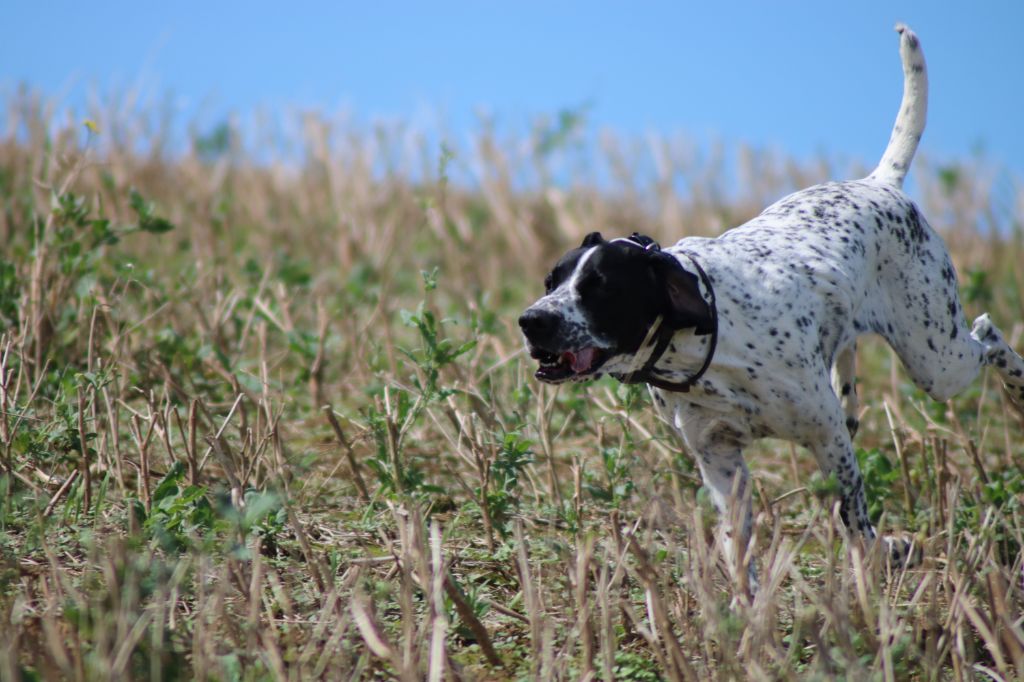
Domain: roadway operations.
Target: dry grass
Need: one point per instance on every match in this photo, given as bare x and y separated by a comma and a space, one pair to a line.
262, 444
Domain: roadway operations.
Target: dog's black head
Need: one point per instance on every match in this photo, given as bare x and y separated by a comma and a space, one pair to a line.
602, 299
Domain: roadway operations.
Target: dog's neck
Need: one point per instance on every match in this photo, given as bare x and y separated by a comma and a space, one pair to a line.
663, 345
679, 366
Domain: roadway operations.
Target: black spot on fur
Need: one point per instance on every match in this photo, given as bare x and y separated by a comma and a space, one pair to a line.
852, 424
917, 232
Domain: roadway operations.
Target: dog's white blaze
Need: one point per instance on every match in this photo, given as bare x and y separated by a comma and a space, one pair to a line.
565, 300
571, 282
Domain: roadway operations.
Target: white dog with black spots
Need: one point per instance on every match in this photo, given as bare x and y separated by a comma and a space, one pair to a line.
753, 334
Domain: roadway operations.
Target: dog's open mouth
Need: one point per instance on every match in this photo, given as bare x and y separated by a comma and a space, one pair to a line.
558, 367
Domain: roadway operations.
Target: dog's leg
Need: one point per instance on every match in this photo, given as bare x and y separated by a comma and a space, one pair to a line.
945, 367
835, 455
719, 449
998, 355
938, 350
727, 479
844, 383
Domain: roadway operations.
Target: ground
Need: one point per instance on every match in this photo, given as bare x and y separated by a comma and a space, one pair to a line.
268, 420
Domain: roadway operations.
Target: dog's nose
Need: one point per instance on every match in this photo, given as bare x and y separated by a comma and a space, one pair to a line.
537, 323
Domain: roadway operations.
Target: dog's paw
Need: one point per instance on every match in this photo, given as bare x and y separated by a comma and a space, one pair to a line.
901, 552
986, 333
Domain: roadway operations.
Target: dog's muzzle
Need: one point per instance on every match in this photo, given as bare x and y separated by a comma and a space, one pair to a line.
542, 330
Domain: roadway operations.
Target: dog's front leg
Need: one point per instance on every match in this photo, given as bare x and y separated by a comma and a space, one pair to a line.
718, 446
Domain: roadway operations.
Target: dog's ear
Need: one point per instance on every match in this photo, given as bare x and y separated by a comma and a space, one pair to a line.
684, 306
592, 239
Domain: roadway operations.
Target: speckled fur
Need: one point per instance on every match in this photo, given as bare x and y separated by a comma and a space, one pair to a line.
795, 287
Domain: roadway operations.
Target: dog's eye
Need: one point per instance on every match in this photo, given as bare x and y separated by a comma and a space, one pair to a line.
590, 283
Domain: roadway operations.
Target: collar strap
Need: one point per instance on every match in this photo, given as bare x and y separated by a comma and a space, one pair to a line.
664, 333
641, 240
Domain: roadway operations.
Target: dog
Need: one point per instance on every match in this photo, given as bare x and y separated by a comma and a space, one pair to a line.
753, 334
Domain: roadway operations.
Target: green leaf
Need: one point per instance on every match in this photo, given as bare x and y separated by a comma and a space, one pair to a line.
156, 225
168, 486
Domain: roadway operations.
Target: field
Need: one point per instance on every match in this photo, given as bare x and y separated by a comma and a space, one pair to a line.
268, 417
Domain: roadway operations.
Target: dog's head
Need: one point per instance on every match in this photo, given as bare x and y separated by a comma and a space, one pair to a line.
602, 300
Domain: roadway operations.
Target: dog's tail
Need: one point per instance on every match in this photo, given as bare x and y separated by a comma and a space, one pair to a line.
913, 111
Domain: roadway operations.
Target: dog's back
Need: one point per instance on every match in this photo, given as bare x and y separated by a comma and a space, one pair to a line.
864, 249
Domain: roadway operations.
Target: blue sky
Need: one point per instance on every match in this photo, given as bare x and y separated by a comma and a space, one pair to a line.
791, 76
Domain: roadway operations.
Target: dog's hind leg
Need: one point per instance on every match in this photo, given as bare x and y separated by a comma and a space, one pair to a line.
835, 454
923, 320
945, 369
998, 355
844, 383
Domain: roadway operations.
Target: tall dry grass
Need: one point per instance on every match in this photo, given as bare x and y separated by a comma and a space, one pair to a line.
294, 436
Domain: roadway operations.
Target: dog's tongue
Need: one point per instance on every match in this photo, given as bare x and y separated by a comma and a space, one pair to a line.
581, 361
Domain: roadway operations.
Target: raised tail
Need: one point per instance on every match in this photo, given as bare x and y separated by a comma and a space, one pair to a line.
913, 111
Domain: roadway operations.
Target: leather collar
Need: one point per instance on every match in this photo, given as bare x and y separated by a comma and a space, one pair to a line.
663, 334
